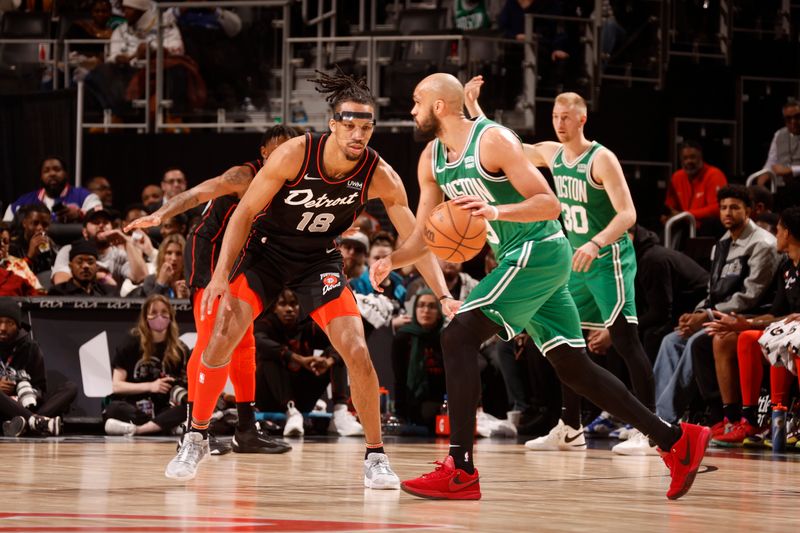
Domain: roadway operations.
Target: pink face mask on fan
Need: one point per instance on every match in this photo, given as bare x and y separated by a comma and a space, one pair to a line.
159, 323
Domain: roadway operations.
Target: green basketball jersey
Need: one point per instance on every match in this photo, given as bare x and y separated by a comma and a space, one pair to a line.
471, 15
585, 206
466, 177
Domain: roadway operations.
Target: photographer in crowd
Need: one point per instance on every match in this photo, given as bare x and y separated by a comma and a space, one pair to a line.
149, 377
25, 405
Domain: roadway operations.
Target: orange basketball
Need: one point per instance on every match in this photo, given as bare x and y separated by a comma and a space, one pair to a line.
453, 234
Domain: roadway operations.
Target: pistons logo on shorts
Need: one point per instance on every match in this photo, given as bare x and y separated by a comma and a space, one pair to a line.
330, 280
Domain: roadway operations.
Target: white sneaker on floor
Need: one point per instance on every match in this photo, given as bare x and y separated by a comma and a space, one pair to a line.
561, 438
294, 422
378, 473
344, 423
115, 426
193, 451
636, 444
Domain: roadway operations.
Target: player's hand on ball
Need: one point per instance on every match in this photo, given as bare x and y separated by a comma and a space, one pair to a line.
378, 272
148, 221
478, 206
217, 288
583, 257
450, 307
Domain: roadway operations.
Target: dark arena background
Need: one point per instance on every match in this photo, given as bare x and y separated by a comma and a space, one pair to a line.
137, 101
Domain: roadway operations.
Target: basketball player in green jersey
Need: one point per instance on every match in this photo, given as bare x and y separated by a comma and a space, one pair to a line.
597, 210
482, 165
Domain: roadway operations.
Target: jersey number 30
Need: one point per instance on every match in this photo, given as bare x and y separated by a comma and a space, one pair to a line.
575, 219
320, 224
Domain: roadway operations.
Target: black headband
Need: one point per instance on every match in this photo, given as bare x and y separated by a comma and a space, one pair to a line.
350, 115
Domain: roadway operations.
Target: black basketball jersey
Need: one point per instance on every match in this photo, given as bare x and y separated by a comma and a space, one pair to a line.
205, 240
309, 212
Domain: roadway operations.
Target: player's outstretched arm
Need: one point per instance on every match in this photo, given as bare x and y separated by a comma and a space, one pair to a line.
283, 165
541, 154
233, 181
388, 186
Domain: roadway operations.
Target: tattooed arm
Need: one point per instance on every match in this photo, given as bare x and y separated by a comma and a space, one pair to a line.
235, 180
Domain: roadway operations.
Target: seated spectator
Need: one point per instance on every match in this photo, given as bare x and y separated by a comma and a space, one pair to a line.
459, 283
83, 269
668, 285
132, 212
26, 405
169, 280
101, 187
172, 183
86, 56
694, 188
64, 202
295, 363
152, 197
119, 256
762, 201
149, 378
419, 383
117, 81
367, 224
29, 238
784, 158
176, 225
16, 277
394, 284
736, 348
743, 264
354, 248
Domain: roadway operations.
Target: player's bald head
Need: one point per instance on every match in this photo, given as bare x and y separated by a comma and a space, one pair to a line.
444, 87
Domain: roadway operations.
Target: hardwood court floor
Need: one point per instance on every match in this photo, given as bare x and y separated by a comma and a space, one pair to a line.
117, 484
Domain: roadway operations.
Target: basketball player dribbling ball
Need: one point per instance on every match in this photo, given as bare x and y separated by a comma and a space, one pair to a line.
309, 191
526, 291
597, 210
203, 243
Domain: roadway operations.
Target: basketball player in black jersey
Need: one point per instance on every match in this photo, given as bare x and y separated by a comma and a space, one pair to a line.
203, 244
310, 190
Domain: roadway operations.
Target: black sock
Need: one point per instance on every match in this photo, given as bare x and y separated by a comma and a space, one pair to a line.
750, 413
379, 449
462, 458
732, 411
247, 416
461, 341
189, 407
203, 432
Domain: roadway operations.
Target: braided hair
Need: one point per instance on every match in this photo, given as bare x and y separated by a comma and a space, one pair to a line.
341, 87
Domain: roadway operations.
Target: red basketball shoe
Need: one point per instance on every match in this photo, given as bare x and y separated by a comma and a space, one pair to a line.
685, 457
445, 483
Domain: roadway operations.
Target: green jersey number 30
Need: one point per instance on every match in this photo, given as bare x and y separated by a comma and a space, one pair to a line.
575, 219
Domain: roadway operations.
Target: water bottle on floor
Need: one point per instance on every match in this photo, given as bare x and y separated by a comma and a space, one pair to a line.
778, 428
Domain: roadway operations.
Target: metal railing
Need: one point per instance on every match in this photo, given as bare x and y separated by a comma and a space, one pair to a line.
685, 217
773, 181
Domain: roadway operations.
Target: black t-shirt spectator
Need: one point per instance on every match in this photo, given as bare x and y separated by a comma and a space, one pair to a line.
128, 357
787, 296
69, 288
